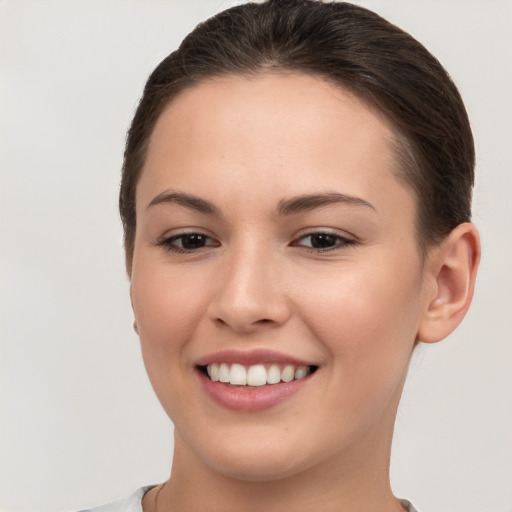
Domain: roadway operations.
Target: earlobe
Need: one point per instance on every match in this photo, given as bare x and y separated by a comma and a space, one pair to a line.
452, 267
135, 327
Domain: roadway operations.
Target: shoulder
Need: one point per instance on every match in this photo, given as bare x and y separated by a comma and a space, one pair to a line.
132, 503
408, 506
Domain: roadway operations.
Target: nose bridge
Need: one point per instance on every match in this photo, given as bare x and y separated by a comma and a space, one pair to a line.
250, 292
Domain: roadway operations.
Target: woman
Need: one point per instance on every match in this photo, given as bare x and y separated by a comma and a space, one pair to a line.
296, 204
329, 266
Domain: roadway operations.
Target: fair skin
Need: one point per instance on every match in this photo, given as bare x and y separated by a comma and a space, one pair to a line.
334, 282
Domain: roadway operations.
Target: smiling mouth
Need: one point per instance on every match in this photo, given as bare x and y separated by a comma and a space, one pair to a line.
256, 375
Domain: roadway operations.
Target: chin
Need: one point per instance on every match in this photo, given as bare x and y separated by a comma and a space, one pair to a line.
257, 469
266, 458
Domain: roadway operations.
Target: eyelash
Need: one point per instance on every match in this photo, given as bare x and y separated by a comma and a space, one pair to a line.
167, 242
341, 242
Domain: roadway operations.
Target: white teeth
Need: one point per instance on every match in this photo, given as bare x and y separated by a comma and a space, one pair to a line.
255, 375
224, 373
238, 375
301, 372
288, 373
273, 374
213, 372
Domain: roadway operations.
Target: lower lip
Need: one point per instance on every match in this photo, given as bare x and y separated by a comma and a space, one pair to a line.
250, 399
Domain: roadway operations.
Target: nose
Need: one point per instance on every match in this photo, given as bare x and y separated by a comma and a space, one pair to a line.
251, 293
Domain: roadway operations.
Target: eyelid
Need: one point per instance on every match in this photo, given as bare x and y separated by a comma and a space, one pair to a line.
327, 231
166, 241
346, 239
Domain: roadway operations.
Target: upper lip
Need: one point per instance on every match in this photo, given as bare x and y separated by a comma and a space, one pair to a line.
250, 357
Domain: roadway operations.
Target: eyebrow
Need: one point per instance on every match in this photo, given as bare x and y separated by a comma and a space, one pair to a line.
294, 205
187, 200
310, 202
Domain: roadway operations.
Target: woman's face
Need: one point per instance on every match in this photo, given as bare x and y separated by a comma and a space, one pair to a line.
273, 236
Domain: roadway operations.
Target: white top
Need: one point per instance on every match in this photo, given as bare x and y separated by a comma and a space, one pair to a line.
133, 503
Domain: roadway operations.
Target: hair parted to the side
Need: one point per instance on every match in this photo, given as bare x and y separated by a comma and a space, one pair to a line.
349, 46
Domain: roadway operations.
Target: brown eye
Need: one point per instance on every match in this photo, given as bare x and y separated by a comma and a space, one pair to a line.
323, 241
190, 241
187, 242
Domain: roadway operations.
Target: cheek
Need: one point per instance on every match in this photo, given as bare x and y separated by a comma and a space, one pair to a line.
366, 321
166, 300
366, 316
168, 309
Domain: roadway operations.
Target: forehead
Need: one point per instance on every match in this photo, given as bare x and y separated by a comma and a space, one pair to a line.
275, 107
268, 135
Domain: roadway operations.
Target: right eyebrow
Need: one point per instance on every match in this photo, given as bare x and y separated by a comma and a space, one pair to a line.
187, 200
310, 202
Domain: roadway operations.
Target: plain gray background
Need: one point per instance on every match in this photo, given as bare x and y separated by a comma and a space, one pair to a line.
80, 425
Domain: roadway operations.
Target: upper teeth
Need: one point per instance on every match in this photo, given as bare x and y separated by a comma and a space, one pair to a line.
255, 375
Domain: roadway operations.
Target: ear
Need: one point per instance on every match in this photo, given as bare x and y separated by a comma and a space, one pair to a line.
135, 328
451, 268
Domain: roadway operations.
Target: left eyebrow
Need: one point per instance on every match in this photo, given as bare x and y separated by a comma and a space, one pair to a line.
310, 202
187, 200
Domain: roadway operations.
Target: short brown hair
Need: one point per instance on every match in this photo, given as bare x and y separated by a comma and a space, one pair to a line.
349, 46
